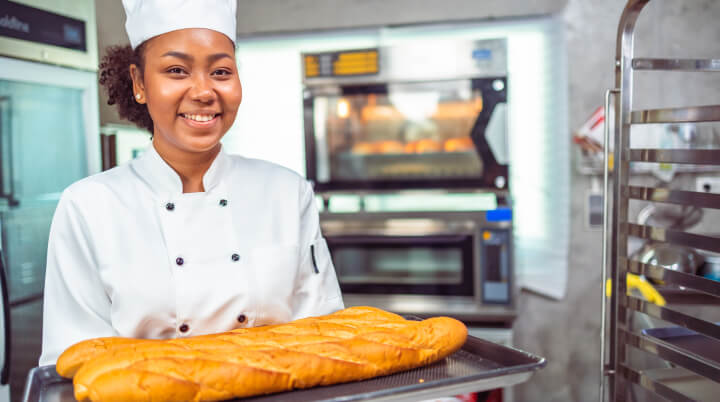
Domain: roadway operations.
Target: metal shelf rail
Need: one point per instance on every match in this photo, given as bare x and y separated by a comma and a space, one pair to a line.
687, 354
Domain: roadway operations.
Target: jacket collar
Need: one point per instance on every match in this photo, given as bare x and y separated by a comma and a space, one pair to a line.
164, 181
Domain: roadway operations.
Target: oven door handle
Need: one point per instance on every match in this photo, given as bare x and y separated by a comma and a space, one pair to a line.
5, 369
495, 174
7, 185
398, 240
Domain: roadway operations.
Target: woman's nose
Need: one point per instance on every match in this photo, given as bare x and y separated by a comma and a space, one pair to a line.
202, 90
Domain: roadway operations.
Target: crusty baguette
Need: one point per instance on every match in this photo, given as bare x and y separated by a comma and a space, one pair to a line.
352, 344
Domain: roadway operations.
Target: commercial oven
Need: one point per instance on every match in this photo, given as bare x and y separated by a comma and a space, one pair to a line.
424, 263
391, 119
415, 122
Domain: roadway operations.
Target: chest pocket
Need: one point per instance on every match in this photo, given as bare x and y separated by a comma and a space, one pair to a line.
273, 272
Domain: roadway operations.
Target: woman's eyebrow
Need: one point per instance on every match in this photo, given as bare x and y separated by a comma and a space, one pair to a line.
179, 55
217, 56
211, 58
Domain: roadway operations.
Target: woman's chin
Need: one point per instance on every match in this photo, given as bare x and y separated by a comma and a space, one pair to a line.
188, 142
201, 143
204, 147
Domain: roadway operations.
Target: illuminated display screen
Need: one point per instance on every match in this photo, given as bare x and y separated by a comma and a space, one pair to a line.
342, 63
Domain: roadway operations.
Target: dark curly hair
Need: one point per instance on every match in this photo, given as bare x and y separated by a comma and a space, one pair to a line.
115, 77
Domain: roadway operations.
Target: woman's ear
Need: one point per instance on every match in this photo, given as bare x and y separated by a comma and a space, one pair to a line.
138, 86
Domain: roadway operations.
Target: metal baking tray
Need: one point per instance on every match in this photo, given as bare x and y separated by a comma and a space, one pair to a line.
479, 366
688, 341
349, 166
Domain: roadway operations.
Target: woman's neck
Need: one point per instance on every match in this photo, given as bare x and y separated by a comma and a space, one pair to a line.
190, 166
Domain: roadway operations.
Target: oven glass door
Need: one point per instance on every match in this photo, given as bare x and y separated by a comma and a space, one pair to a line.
427, 265
406, 135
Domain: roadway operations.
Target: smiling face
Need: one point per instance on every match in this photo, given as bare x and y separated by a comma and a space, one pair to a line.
192, 89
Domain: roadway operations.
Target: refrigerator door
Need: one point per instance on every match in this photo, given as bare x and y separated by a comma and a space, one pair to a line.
44, 147
41, 156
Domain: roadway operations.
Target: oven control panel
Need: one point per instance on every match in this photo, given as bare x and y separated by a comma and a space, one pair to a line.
495, 266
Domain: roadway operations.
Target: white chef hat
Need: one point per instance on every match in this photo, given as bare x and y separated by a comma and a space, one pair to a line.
149, 18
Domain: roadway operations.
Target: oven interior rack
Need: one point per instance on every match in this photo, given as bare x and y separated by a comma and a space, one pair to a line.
687, 349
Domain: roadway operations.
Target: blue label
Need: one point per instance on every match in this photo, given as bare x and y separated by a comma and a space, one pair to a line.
499, 215
482, 54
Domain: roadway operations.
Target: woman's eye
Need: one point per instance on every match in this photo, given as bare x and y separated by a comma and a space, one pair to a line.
175, 70
221, 72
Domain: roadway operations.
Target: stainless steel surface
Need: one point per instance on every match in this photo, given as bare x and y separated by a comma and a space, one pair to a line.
606, 230
400, 63
431, 191
396, 225
624, 83
462, 308
480, 365
477, 217
701, 357
45, 385
676, 64
685, 156
680, 197
677, 296
677, 115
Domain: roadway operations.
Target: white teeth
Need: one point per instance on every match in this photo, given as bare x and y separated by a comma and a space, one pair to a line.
199, 117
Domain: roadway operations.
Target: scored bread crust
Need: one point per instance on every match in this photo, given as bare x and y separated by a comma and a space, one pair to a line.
353, 344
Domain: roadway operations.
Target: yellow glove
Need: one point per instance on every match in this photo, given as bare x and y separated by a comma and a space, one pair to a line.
639, 283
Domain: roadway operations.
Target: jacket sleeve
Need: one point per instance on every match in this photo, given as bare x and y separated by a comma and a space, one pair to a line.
76, 306
317, 291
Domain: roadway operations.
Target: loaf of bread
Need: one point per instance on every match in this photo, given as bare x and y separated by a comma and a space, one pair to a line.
352, 344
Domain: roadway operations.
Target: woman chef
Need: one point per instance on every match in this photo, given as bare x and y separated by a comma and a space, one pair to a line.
186, 239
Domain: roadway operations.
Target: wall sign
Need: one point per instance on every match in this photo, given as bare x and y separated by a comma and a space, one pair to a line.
32, 24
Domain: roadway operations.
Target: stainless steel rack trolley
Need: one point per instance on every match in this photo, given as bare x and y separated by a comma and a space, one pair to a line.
689, 350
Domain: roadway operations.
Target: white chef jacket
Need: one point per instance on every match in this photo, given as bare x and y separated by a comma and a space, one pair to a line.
131, 255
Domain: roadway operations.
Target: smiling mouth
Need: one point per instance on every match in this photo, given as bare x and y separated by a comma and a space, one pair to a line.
200, 118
